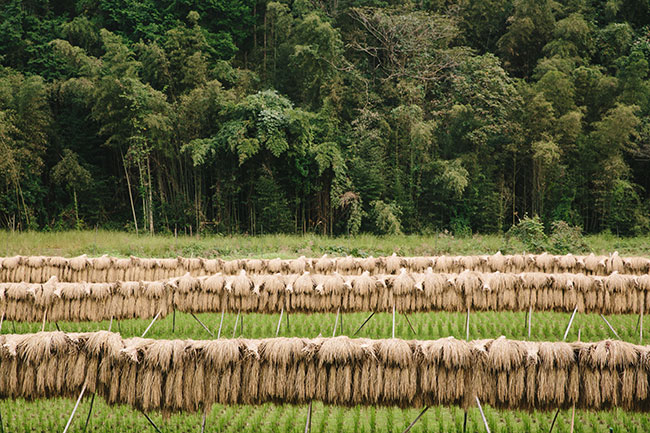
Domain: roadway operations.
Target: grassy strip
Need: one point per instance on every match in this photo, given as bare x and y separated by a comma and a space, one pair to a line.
285, 246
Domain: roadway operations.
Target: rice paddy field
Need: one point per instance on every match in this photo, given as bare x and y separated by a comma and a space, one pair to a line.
52, 414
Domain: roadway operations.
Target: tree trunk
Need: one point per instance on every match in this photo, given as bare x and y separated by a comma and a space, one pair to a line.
76, 208
150, 187
128, 183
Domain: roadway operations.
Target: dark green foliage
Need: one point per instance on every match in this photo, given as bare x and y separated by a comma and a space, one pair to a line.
330, 117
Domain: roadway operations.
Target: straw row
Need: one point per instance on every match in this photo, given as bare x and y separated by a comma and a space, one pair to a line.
307, 293
38, 269
178, 375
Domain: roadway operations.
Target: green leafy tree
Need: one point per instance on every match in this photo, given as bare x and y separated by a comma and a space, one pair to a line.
71, 175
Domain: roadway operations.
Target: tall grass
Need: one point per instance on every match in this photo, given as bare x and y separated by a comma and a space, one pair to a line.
100, 242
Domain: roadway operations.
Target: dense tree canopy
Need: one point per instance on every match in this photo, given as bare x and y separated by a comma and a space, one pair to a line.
327, 116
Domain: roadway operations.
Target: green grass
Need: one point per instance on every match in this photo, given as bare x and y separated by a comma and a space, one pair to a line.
51, 415
286, 246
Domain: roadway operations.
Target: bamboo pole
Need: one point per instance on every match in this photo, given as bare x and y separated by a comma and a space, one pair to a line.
151, 422
202, 324
336, 322
530, 316
363, 324
67, 426
110, 324
610, 326
220, 324
174, 321
416, 420
277, 330
487, 427
573, 417
467, 326
2, 319
308, 422
641, 323
554, 419
465, 422
150, 325
409, 322
566, 333
57, 326
92, 402
2, 427
393, 320
203, 422
234, 331
44, 317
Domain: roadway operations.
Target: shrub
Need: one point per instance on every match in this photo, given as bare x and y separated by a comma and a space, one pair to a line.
566, 238
530, 232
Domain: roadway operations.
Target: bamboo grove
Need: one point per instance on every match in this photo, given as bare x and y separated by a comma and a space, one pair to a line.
329, 117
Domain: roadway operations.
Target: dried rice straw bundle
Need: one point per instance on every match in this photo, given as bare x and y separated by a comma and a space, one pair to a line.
346, 265
337, 358
393, 263
445, 372
399, 385
276, 265
324, 265
298, 266
403, 288
555, 381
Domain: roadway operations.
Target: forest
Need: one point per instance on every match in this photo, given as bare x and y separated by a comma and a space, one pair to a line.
324, 116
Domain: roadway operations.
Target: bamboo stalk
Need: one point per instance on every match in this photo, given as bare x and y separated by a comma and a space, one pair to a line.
44, 317
57, 326
530, 316
570, 322
363, 324
234, 330
465, 422
220, 324
110, 324
277, 330
573, 417
202, 324
67, 426
174, 321
487, 427
2, 319
416, 420
336, 322
150, 325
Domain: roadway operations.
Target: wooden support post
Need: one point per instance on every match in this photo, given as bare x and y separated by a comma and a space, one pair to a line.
416, 420
566, 333
308, 422
151, 422
573, 417
203, 325
467, 326
288, 327
174, 321
393, 321
487, 427
220, 324
363, 324
2, 427
110, 324
57, 326
150, 325
234, 330
2, 319
610, 326
44, 317
554, 419
336, 321
67, 426
92, 402
277, 330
